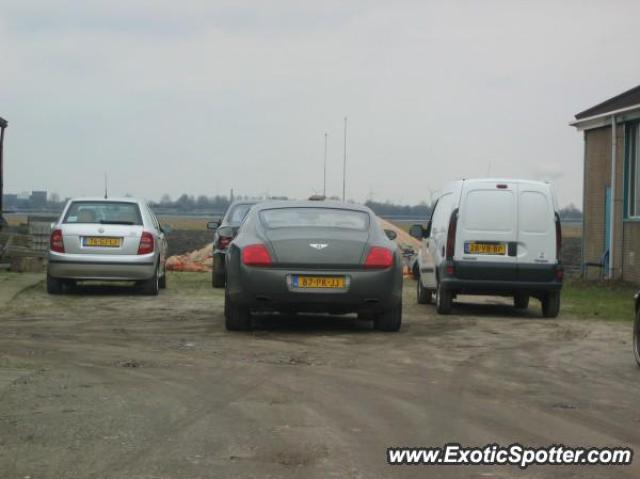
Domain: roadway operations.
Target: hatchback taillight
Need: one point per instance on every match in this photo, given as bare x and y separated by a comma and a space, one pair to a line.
451, 234
55, 242
256, 255
146, 245
379, 258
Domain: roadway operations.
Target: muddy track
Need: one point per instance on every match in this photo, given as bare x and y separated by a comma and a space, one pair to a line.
107, 383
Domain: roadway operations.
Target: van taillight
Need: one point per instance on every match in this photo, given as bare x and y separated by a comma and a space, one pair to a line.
146, 243
451, 234
558, 236
379, 258
256, 255
55, 242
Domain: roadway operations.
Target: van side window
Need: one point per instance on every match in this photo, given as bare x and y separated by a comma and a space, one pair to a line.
440, 219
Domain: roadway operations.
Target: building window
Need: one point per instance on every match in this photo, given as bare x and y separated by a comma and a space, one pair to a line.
632, 183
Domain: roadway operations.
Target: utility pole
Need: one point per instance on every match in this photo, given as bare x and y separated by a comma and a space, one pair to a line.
324, 183
3, 125
344, 163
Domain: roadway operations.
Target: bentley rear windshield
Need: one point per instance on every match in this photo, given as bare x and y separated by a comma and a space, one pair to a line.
314, 217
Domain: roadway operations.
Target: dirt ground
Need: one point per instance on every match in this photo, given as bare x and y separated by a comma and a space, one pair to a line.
105, 383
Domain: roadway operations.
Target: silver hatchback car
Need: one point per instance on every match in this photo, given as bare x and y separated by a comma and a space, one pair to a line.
115, 239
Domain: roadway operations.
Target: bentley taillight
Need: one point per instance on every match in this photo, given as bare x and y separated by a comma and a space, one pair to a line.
256, 255
379, 258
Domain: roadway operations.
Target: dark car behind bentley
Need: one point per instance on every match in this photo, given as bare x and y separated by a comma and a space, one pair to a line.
224, 232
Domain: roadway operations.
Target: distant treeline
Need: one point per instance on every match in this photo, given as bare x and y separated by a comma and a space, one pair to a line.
192, 204
388, 209
217, 204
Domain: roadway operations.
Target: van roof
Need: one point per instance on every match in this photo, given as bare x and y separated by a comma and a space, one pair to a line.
505, 180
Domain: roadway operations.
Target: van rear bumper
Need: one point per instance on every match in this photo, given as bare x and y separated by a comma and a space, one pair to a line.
499, 278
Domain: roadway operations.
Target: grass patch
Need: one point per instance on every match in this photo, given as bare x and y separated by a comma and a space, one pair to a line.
598, 300
187, 223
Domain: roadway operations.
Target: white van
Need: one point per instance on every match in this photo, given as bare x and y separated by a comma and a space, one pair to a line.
492, 237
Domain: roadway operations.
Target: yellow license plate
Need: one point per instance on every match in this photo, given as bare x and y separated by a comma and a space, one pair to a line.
102, 242
328, 282
486, 248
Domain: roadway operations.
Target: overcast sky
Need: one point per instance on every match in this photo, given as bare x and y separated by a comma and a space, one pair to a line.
204, 96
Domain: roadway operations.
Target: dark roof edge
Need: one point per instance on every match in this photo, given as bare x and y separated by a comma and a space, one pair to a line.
614, 101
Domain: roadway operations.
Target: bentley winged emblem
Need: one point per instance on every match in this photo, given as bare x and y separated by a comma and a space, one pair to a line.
319, 246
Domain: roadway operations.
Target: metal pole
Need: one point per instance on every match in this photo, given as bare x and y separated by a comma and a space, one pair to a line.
324, 183
612, 206
3, 125
344, 163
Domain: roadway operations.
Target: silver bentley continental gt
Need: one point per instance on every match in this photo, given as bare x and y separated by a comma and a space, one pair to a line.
317, 257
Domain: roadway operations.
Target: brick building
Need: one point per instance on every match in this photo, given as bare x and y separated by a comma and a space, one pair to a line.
611, 204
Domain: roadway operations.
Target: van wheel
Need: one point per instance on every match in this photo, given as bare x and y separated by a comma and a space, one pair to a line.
54, 285
237, 317
425, 296
444, 300
636, 338
521, 301
390, 320
551, 305
151, 286
217, 275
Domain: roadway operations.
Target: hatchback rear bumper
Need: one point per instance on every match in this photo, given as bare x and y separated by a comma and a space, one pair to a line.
101, 267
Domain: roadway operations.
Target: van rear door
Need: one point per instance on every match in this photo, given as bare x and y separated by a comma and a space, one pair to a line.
536, 232
487, 231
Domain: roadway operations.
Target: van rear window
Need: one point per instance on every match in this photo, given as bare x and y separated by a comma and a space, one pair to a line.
535, 212
103, 212
490, 210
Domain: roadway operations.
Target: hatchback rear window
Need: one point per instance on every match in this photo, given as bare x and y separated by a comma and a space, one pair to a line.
315, 217
103, 212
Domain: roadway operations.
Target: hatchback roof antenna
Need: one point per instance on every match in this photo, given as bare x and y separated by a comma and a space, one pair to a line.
105, 185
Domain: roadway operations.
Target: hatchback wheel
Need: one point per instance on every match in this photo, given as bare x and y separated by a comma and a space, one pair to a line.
390, 320
444, 300
54, 285
551, 305
162, 282
636, 337
237, 317
151, 286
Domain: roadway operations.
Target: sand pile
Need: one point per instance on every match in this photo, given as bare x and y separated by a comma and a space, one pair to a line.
202, 259
198, 260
